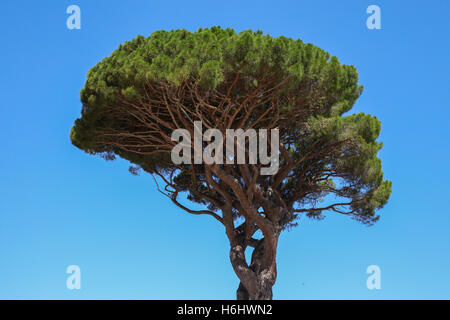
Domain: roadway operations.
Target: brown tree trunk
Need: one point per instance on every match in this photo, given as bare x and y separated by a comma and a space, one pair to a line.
242, 293
257, 279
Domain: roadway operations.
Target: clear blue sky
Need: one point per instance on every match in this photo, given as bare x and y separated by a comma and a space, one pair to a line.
59, 206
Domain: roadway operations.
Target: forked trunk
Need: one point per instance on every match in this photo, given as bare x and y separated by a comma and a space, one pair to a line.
257, 279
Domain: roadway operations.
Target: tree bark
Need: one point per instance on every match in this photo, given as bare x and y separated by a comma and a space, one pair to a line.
257, 279
242, 293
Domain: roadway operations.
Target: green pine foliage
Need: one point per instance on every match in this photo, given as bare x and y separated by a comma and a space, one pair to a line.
312, 89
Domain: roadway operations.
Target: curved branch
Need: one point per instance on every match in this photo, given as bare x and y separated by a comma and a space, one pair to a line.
197, 212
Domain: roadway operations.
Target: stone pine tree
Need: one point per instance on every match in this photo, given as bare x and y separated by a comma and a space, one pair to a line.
134, 99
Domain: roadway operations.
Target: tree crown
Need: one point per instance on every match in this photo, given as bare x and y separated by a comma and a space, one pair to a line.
148, 87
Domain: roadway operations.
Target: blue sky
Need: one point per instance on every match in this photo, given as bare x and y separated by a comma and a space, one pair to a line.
59, 206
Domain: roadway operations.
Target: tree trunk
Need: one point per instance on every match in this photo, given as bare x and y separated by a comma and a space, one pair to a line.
242, 293
264, 284
257, 279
